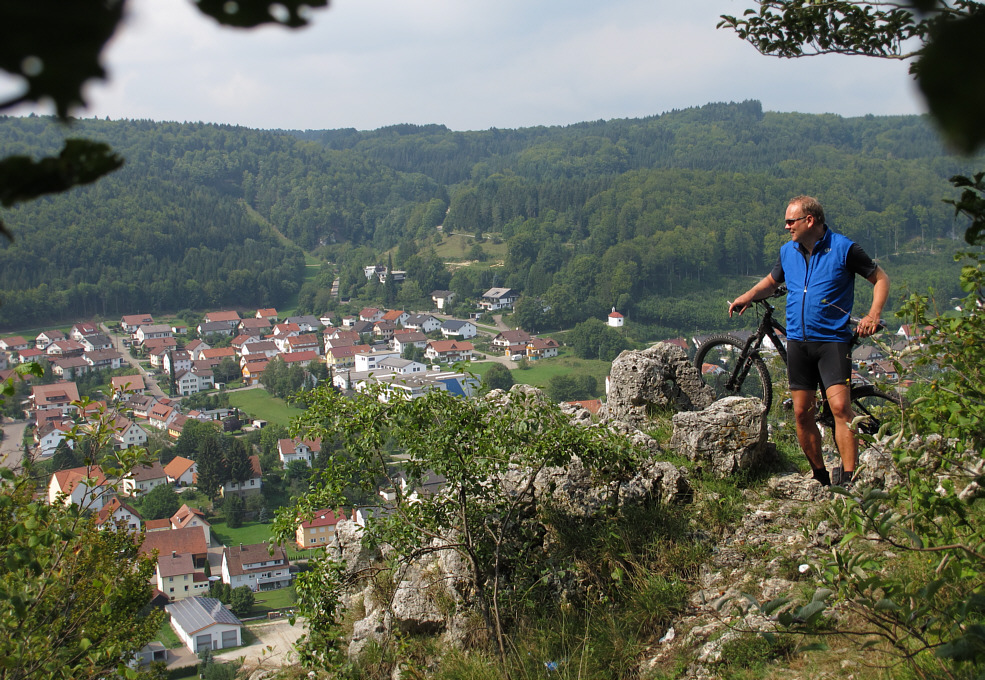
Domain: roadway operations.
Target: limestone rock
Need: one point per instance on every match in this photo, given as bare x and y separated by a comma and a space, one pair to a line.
365, 631
349, 547
730, 435
798, 487
414, 610
658, 377
573, 490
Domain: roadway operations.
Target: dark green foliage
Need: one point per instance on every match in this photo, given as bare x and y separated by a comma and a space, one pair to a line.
212, 471
282, 380
568, 387
593, 339
74, 594
749, 650
241, 601
160, 502
220, 591
64, 457
634, 214
227, 371
498, 377
232, 509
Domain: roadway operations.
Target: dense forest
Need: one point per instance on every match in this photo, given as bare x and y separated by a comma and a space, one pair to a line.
655, 216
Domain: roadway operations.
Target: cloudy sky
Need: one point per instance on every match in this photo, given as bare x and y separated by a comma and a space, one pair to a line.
470, 64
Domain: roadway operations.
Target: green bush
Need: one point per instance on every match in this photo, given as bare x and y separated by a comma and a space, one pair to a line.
750, 650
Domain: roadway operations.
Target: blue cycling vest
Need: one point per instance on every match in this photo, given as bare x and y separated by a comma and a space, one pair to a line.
820, 289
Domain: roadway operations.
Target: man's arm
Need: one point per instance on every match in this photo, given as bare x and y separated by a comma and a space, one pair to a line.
766, 287
880, 293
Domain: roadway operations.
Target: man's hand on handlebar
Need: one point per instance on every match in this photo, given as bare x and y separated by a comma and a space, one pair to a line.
868, 326
739, 305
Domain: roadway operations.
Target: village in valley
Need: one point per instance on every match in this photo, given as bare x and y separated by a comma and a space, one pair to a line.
214, 578
155, 365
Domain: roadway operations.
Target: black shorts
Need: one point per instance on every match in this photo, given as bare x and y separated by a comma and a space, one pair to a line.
812, 363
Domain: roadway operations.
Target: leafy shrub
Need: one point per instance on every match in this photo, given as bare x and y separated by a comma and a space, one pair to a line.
749, 650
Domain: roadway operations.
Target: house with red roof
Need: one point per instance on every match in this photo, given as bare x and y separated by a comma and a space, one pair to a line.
616, 320
117, 513
541, 348
259, 566
249, 486
143, 478
318, 531
230, 318
291, 450
449, 351
86, 487
181, 471
131, 322
178, 578
270, 314
186, 541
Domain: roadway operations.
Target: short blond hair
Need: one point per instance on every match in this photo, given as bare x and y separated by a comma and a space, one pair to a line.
811, 206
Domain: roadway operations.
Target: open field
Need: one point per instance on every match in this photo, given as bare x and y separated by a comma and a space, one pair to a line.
455, 248
540, 372
272, 600
259, 404
248, 534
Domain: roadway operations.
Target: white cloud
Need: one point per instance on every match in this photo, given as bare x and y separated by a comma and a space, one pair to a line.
469, 64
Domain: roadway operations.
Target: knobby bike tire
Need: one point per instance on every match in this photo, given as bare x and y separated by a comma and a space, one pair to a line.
876, 405
722, 351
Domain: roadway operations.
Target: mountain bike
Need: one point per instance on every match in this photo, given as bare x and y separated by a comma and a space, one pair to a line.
733, 367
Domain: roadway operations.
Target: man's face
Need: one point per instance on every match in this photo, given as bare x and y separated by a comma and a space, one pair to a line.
799, 224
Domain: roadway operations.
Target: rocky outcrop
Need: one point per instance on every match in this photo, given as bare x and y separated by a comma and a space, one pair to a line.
432, 595
728, 436
660, 377
573, 491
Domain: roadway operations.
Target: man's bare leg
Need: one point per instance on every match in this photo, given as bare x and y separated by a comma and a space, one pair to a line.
840, 403
804, 406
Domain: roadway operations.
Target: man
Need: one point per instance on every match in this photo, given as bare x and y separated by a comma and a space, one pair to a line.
819, 268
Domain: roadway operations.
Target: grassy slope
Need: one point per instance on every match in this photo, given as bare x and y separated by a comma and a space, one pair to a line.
259, 404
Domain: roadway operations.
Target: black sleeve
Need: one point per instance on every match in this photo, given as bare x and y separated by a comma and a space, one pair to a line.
859, 262
777, 272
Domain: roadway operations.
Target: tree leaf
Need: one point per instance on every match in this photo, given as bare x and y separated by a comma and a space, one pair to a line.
250, 13
54, 47
81, 161
950, 76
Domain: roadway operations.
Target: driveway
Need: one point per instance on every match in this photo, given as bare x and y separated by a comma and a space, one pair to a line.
274, 645
12, 447
149, 381
280, 636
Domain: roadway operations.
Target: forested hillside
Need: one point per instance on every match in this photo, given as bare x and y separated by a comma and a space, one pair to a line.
656, 216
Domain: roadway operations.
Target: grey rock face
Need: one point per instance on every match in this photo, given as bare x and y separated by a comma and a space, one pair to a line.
798, 487
572, 490
658, 377
730, 435
414, 610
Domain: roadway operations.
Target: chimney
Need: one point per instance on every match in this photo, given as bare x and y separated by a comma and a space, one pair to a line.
174, 553
241, 547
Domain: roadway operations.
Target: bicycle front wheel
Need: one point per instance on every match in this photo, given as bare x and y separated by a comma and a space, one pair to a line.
718, 360
876, 407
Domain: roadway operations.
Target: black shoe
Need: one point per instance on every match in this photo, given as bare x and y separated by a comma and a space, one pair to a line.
822, 476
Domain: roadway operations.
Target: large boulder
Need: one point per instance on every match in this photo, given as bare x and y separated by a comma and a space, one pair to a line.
574, 491
414, 610
659, 377
728, 436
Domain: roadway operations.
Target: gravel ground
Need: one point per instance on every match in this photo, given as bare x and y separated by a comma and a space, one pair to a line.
273, 648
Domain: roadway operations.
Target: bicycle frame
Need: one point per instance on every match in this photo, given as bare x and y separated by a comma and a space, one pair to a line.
768, 328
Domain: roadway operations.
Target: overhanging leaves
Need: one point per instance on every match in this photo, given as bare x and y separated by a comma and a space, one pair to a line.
951, 78
55, 47
250, 13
